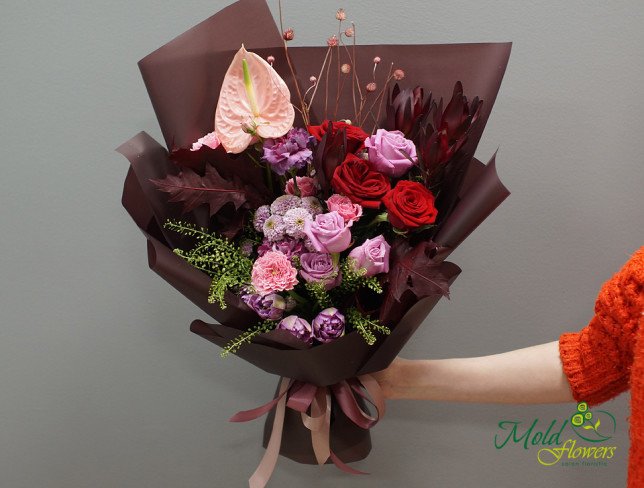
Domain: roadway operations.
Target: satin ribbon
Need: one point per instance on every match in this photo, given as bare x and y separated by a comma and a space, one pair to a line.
301, 396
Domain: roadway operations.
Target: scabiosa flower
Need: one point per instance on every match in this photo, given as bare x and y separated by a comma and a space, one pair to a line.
349, 32
399, 74
261, 216
289, 152
246, 247
273, 272
372, 87
297, 326
288, 34
283, 204
268, 307
274, 228
312, 205
341, 14
346, 68
294, 221
328, 325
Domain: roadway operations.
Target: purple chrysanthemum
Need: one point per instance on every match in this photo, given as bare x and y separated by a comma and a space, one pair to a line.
273, 228
290, 152
261, 216
294, 221
283, 204
312, 205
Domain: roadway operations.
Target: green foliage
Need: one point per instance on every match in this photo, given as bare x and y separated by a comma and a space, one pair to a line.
319, 294
366, 326
353, 278
218, 257
247, 336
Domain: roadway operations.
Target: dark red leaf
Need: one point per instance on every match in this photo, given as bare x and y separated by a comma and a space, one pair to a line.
194, 190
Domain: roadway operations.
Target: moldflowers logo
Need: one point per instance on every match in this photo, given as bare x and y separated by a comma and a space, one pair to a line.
583, 439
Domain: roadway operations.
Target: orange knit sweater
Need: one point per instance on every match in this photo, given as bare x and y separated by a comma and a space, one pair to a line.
606, 358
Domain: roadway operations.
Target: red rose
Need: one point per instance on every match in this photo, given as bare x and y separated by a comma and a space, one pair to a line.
355, 179
355, 135
410, 205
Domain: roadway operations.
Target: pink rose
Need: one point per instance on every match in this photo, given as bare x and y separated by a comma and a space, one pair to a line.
350, 211
390, 153
273, 272
328, 232
373, 256
209, 140
308, 186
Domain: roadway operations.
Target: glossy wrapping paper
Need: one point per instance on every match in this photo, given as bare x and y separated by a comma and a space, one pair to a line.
183, 79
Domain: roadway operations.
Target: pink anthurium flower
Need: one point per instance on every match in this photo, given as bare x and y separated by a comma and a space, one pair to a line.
254, 102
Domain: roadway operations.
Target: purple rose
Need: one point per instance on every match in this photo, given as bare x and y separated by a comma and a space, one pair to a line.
390, 152
297, 326
373, 255
328, 325
269, 307
320, 268
292, 151
328, 232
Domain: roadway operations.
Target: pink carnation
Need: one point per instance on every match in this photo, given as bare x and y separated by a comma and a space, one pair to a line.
273, 272
308, 186
209, 140
349, 211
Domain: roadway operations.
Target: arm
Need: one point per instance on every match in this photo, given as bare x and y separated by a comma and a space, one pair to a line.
591, 365
530, 375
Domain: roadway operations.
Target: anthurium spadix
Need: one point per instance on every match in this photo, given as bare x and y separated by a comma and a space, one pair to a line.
254, 102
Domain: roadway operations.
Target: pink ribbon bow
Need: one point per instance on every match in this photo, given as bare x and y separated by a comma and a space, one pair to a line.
301, 396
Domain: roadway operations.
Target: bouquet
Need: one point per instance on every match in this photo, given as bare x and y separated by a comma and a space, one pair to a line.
307, 201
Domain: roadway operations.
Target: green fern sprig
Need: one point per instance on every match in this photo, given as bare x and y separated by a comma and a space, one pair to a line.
222, 260
246, 337
366, 326
319, 294
354, 278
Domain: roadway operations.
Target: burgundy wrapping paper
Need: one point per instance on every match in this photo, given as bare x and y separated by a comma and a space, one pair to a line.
183, 79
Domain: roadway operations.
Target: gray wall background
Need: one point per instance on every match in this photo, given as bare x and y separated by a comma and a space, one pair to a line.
101, 383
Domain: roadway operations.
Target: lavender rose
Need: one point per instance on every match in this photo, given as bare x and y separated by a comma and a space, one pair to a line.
292, 151
390, 152
320, 268
297, 326
373, 256
328, 232
328, 325
269, 307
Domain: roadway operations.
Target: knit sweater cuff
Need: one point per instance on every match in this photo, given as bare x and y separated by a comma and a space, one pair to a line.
592, 376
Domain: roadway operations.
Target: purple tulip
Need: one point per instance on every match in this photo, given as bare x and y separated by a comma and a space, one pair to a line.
320, 268
297, 326
373, 256
269, 307
328, 325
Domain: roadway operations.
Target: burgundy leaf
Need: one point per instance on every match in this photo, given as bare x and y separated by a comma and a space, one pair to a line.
194, 190
420, 274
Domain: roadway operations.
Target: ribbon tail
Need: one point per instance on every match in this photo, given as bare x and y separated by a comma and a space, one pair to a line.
320, 436
263, 473
344, 467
